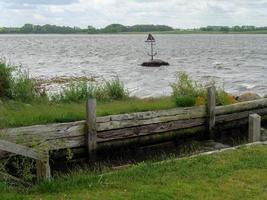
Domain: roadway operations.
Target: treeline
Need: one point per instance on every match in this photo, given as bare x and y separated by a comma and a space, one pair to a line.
233, 28
119, 28
113, 28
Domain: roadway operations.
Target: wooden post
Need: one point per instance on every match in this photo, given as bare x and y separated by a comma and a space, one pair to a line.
211, 110
43, 170
91, 128
254, 128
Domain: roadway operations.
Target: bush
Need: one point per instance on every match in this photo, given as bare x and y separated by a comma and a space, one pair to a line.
184, 100
5, 80
184, 89
223, 98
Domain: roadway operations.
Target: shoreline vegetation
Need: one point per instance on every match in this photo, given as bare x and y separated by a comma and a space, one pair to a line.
24, 102
135, 29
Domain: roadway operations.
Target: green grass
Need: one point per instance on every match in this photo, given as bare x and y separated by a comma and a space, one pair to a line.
240, 174
15, 114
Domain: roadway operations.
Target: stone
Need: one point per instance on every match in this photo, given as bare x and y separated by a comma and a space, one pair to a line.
212, 145
249, 96
155, 63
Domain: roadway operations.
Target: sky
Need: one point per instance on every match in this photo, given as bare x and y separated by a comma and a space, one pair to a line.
99, 13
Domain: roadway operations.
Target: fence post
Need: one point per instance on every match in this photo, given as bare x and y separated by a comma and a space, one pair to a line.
91, 128
43, 171
254, 128
211, 110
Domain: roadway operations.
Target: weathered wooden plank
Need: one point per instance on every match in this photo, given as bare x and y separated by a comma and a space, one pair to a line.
239, 115
91, 128
139, 122
243, 106
152, 138
49, 135
254, 128
211, 109
22, 150
150, 114
148, 129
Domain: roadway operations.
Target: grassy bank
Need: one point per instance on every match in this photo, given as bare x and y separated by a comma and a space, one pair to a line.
21, 114
240, 174
23, 100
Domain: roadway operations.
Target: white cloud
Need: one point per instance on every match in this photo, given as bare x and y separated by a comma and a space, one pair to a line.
177, 13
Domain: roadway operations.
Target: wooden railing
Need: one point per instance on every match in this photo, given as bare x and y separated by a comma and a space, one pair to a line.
42, 158
134, 128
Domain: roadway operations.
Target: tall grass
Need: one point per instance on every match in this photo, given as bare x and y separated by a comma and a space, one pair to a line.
115, 89
17, 85
5, 80
25, 89
82, 90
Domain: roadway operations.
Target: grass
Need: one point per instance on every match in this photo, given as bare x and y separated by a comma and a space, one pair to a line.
15, 114
25, 102
78, 91
238, 174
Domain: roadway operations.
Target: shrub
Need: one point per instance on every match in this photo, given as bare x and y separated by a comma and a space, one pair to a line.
200, 101
223, 98
184, 89
184, 100
5, 80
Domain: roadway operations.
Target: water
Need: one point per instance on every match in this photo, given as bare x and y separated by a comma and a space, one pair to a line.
237, 62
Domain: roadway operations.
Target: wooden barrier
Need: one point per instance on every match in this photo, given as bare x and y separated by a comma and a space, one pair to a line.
42, 158
91, 128
135, 128
254, 126
211, 110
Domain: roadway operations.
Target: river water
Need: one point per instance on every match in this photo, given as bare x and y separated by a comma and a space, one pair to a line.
236, 62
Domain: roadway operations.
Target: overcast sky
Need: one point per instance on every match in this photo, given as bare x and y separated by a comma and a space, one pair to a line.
99, 13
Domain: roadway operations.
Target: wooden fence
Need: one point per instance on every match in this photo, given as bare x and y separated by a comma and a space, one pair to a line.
135, 128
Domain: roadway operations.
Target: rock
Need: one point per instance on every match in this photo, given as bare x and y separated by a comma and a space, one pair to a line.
249, 96
155, 63
212, 145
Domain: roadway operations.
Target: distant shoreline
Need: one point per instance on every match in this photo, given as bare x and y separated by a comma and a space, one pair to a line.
135, 29
153, 32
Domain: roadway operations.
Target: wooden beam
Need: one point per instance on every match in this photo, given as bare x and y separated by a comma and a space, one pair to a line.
22, 150
254, 128
138, 131
151, 114
91, 128
197, 112
242, 106
211, 110
43, 170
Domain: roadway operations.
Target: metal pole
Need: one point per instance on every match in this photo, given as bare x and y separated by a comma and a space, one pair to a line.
152, 54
